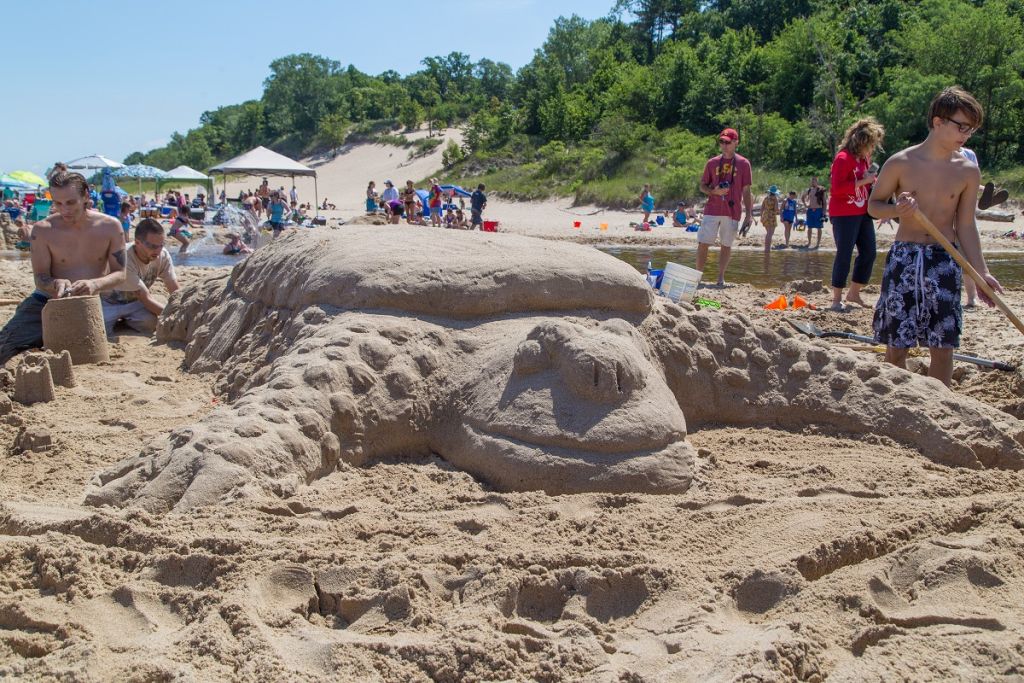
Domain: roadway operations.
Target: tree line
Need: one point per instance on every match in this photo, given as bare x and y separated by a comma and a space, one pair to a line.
655, 79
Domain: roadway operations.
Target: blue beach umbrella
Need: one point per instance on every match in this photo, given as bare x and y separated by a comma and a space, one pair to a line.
139, 172
14, 183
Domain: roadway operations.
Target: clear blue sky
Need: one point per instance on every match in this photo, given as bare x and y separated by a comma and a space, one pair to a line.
115, 77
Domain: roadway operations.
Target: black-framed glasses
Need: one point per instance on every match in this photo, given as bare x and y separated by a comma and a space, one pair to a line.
150, 245
965, 128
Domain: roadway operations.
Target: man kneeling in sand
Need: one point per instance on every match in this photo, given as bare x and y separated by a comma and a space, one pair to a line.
131, 301
920, 300
75, 252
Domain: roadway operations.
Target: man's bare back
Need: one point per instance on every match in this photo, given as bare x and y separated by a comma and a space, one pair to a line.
945, 188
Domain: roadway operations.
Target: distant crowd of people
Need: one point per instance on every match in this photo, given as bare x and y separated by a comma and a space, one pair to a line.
441, 206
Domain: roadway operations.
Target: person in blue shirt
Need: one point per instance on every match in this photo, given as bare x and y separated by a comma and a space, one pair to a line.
788, 215
647, 203
277, 210
477, 204
684, 215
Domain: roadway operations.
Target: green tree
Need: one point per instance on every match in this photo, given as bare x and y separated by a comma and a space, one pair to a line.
332, 130
300, 90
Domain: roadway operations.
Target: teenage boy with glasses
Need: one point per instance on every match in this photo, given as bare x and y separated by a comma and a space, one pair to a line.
920, 300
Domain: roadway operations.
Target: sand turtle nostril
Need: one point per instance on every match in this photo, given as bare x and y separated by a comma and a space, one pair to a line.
599, 378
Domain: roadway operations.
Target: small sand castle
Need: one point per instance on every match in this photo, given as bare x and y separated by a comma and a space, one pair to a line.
61, 367
75, 324
33, 384
39, 372
531, 364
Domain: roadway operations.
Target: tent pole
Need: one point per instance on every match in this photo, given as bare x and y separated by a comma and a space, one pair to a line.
316, 196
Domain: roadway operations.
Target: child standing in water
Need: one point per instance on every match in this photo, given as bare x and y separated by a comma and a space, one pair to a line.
769, 215
788, 216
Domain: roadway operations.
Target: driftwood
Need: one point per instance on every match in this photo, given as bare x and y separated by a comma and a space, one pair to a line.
1000, 216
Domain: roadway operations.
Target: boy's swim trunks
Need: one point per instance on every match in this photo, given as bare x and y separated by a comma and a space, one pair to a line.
920, 300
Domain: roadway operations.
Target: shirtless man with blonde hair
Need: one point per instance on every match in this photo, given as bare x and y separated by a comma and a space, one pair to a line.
920, 299
75, 252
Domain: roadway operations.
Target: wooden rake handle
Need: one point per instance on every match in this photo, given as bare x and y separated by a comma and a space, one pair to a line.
969, 269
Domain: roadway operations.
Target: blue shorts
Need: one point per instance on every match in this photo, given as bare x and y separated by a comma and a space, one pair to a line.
814, 218
788, 216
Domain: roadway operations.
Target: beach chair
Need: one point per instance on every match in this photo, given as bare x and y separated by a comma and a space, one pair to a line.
40, 210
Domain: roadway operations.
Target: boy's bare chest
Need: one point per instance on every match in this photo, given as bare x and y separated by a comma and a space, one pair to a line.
934, 187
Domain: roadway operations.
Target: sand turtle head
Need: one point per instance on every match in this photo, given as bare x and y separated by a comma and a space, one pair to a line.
567, 407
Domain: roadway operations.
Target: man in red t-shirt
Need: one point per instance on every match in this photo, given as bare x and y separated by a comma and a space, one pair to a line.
726, 182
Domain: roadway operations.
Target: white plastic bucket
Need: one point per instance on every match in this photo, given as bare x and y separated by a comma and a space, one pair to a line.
680, 283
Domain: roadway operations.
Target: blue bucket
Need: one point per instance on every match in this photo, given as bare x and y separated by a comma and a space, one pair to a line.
654, 277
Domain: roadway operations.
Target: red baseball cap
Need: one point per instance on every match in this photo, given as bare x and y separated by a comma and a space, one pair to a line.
728, 135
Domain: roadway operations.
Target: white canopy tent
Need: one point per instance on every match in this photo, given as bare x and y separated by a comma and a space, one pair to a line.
93, 161
191, 175
262, 161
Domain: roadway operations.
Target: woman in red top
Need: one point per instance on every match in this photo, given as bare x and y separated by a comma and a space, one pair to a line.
851, 180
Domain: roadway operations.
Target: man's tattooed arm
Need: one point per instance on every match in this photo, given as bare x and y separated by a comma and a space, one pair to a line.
51, 285
44, 281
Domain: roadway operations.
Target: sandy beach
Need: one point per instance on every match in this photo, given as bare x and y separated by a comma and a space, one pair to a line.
807, 553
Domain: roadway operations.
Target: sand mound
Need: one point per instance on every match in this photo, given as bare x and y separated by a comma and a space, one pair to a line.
368, 359
497, 354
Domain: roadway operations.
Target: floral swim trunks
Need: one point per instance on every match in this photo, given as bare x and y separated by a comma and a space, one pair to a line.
920, 300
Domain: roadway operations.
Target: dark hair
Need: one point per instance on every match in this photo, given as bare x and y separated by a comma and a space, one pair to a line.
952, 100
148, 226
60, 176
481, 187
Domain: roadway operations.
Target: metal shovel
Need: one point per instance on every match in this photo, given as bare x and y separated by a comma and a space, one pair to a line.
812, 330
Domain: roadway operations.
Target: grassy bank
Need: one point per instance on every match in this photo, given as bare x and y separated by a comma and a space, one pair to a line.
592, 177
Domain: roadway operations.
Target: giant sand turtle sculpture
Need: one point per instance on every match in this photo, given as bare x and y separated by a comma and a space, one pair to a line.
533, 365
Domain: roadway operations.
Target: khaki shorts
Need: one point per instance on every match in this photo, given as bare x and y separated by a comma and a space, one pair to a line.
722, 228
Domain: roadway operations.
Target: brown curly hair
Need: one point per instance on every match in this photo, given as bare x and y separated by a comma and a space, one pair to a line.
863, 137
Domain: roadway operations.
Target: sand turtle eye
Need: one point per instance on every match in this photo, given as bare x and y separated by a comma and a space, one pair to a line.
530, 357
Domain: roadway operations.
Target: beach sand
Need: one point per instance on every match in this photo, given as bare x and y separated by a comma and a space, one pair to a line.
795, 555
